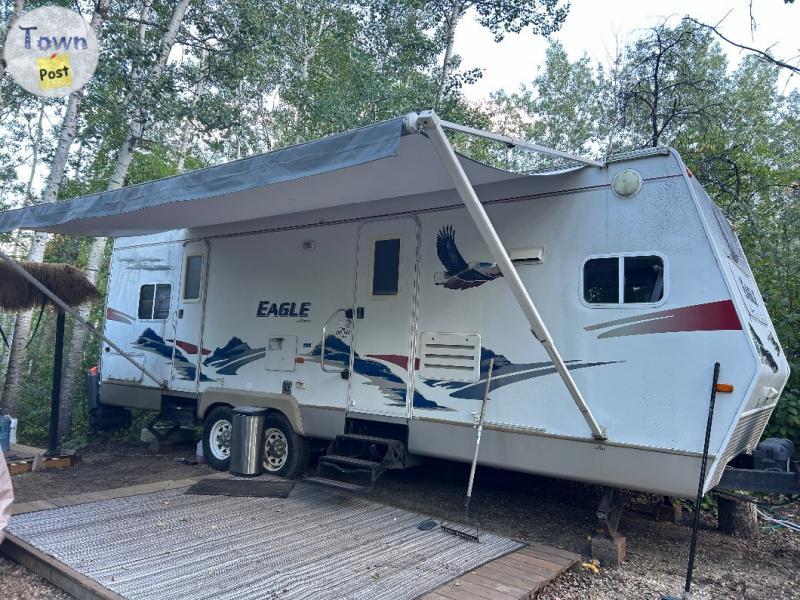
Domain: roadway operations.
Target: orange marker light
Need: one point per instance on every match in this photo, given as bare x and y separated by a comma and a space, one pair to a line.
725, 387
300, 359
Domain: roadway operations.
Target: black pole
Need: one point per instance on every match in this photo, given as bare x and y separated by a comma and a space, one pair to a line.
55, 397
698, 501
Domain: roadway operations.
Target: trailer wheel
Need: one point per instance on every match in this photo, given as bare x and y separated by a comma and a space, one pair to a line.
217, 430
285, 453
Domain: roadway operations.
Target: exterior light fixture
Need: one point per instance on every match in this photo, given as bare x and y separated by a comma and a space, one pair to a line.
627, 183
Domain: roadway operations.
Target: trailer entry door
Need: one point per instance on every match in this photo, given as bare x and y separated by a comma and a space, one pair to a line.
187, 348
383, 328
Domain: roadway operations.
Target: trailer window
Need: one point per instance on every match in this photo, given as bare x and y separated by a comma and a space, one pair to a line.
644, 279
193, 273
617, 280
386, 267
601, 280
154, 299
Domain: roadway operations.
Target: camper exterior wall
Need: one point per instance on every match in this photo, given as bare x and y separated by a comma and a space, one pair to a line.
267, 288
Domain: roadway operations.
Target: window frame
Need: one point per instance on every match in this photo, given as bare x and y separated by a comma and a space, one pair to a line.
155, 285
186, 258
372, 244
621, 281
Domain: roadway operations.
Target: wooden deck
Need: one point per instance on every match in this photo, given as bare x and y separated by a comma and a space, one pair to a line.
518, 575
514, 576
23, 459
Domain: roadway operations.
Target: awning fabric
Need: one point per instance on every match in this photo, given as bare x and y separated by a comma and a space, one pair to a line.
361, 165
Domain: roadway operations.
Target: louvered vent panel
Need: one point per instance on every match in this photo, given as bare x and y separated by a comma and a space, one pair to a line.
744, 439
450, 356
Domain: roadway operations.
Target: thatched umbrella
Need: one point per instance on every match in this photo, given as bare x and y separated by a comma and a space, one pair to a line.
18, 293
65, 281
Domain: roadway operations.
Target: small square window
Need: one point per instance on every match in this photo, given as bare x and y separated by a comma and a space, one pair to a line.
154, 300
601, 280
193, 275
386, 267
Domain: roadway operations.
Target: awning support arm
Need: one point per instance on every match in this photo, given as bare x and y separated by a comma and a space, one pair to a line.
517, 143
429, 122
66, 308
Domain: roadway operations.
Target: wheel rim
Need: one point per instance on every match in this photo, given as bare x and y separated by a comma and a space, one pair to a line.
276, 449
219, 439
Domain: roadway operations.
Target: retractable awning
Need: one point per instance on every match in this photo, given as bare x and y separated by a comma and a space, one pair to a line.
371, 163
401, 157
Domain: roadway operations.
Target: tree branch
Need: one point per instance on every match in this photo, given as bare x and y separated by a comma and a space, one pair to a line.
762, 53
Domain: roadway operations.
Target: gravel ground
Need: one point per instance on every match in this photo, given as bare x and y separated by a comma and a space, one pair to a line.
17, 583
526, 507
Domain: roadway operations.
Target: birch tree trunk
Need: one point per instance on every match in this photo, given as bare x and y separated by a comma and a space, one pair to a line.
73, 370
19, 6
69, 124
452, 23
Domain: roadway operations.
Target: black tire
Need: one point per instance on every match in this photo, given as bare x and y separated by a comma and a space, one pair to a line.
213, 426
278, 434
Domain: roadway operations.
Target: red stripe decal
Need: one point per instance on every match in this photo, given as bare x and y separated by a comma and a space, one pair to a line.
396, 359
712, 316
115, 315
189, 348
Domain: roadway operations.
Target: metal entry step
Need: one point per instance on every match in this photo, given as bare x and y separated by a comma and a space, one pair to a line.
359, 460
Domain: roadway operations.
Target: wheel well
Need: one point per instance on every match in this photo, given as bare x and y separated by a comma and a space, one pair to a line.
211, 407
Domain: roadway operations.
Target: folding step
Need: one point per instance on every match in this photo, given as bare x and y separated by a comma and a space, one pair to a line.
370, 439
350, 462
339, 485
388, 451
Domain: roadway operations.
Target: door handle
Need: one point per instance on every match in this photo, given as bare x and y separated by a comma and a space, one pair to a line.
180, 313
360, 312
325, 335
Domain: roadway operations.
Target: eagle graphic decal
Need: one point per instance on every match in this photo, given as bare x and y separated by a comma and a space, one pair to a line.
458, 274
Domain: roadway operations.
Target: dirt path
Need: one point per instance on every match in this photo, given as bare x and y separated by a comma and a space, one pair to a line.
526, 507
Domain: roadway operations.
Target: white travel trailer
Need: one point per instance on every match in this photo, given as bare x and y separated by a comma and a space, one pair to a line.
352, 285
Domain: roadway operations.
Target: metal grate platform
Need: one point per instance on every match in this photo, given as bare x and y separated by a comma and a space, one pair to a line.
315, 544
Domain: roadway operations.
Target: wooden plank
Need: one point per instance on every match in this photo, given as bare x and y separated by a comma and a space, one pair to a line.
517, 570
73, 583
557, 560
453, 592
20, 466
492, 585
472, 589
435, 596
509, 570
512, 577
23, 450
242, 487
26, 507
58, 462
555, 551
516, 575
534, 565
